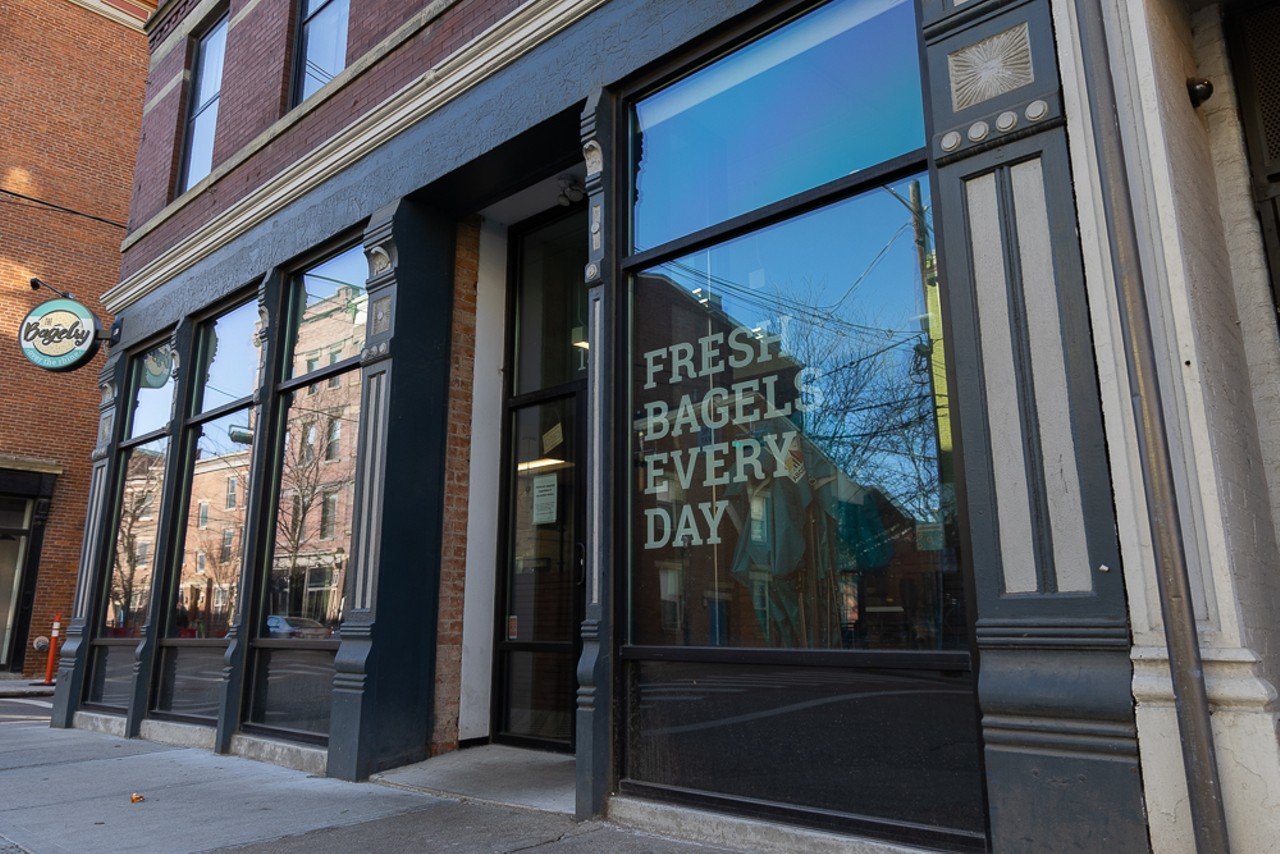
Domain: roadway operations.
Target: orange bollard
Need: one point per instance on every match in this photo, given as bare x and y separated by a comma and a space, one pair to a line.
53, 650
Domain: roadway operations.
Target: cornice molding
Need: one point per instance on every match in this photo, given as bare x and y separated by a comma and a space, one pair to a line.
517, 34
117, 14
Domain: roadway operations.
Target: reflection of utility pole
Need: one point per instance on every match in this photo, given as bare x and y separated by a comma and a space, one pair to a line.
936, 352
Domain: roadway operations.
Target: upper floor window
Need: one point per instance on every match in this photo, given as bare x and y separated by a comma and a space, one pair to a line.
202, 117
322, 45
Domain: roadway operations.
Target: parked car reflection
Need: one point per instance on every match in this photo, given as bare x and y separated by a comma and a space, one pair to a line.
280, 626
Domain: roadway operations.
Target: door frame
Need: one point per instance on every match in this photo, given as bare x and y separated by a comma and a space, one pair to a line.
576, 390
36, 487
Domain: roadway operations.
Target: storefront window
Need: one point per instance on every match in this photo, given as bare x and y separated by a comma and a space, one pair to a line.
314, 497
798, 634
313, 514
230, 356
329, 305
825, 96
145, 456
793, 437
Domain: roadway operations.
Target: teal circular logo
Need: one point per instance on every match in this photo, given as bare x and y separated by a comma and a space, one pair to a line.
59, 335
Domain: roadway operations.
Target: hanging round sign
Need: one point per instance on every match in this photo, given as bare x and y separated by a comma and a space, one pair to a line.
59, 335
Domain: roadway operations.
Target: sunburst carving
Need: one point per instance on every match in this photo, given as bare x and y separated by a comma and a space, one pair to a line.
991, 67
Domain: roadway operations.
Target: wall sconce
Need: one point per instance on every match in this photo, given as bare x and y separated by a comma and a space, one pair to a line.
570, 191
1200, 90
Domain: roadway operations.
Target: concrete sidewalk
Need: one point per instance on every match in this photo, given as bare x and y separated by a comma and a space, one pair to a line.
69, 790
18, 686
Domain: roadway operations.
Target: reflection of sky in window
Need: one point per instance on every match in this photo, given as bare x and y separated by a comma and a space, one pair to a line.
829, 94
331, 322
842, 287
153, 398
233, 357
224, 437
849, 269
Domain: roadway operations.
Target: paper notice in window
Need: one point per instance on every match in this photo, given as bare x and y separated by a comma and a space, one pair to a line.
553, 438
545, 488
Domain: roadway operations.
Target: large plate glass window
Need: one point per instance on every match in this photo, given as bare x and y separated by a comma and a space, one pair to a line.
797, 629
144, 457
205, 578
314, 497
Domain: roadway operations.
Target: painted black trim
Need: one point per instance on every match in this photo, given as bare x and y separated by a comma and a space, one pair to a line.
873, 177
958, 661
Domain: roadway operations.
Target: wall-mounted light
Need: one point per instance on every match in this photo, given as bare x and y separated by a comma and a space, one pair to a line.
570, 191
1200, 89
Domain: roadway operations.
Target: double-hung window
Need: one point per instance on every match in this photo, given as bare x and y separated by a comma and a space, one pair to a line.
322, 45
202, 114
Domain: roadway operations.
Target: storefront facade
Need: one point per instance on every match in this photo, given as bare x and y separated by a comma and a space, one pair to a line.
713, 394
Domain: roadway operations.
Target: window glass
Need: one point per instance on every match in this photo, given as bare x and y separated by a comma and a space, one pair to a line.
209, 58
323, 47
14, 512
330, 312
204, 602
153, 391
825, 96
129, 591
551, 305
202, 118
793, 484
230, 354
313, 515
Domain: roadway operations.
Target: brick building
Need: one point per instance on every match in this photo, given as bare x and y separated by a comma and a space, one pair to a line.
732, 396
64, 198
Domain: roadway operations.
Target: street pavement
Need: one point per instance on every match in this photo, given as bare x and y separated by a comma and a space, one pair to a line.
70, 790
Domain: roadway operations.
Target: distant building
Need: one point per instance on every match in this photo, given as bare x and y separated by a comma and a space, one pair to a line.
736, 396
70, 109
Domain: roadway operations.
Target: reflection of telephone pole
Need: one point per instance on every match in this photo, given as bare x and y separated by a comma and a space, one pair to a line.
936, 352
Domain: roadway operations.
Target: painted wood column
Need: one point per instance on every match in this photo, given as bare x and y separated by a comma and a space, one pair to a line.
1052, 629
384, 685
594, 743
74, 658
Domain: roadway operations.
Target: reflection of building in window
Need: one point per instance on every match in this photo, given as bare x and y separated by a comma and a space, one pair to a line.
228, 540
148, 505
203, 514
200, 562
231, 492
671, 592
144, 552
309, 441
328, 515
332, 439
335, 381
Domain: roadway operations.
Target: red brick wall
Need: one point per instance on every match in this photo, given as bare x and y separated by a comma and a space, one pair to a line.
69, 112
257, 73
159, 149
270, 62
453, 557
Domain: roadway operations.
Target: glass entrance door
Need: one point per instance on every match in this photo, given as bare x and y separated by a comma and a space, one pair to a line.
540, 580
